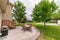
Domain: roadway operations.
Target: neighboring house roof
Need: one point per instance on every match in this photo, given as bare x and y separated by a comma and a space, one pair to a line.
3, 5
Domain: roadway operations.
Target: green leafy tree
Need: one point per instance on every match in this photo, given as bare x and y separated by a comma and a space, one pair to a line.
43, 11
56, 16
19, 12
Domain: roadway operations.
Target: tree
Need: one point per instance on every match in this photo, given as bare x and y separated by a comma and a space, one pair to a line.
19, 11
43, 11
56, 16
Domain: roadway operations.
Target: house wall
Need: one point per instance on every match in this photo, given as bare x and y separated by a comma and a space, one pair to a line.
7, 15
0, 20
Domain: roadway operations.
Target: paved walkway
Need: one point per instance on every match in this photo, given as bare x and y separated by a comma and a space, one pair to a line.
52, 24
18, 34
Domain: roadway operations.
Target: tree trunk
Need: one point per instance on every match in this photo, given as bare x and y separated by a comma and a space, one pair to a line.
44, 23
56, 21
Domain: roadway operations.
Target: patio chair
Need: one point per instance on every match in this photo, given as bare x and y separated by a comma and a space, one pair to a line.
24, 27
29, 28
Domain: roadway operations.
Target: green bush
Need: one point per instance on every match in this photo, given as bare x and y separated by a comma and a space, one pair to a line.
18, 24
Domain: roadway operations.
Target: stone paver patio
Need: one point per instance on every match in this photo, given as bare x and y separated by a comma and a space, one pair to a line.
18, 34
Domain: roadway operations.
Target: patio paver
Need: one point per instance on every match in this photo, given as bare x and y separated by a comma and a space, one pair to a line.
18, 34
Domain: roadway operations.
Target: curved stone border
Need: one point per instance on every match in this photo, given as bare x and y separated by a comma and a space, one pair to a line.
36, 36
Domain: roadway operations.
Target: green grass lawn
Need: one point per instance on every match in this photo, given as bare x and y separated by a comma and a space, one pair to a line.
50, 32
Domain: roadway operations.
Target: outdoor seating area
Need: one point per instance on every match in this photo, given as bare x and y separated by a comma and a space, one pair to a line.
21, 35
27, 27
29, 19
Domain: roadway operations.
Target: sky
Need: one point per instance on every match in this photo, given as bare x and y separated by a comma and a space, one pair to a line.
29, 4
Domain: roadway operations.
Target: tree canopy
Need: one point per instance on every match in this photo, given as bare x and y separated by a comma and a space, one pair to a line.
43, 11
56, 16
19, 11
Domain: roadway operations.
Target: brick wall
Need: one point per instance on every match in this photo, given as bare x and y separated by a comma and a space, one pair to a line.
8, 23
